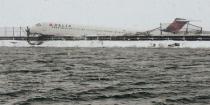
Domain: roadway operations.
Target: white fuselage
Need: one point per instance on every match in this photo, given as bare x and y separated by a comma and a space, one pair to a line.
75, 30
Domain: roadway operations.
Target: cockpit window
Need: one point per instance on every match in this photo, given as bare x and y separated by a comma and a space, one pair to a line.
38, 25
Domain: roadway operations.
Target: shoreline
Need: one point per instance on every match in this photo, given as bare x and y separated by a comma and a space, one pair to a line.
98, 43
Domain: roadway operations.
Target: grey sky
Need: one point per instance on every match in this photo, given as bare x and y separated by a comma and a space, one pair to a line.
137, 14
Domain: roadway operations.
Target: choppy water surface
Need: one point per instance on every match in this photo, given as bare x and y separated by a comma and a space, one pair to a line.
104, 76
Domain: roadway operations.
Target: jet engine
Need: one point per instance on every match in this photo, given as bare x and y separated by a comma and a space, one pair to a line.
34, 38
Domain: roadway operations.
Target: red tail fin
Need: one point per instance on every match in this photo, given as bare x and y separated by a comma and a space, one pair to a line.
176, 26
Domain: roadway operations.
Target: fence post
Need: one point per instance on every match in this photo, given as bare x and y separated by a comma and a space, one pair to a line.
5, 31
20, 31
161, 31
13, 32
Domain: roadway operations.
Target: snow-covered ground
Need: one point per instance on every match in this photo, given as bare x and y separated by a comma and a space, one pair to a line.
96, 43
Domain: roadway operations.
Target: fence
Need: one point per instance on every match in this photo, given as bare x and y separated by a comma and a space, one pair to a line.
12, 32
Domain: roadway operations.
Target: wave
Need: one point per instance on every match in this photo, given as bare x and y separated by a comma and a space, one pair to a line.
129, 95
15, 93
189, 100
43, 61
22, 71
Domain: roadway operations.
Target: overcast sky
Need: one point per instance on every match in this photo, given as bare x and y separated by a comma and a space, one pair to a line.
136, 14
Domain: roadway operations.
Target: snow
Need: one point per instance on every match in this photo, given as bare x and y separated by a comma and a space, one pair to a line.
97, 43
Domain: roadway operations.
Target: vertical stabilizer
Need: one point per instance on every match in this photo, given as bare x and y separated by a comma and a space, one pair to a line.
176, 25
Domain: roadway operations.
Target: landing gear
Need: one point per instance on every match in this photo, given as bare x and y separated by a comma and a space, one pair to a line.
34, 38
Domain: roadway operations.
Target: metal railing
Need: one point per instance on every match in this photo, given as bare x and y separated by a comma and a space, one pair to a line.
13, 32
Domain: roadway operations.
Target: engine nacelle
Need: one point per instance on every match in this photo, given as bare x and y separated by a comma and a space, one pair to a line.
34, 38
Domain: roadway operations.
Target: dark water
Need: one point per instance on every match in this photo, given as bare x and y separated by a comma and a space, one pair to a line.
104, 76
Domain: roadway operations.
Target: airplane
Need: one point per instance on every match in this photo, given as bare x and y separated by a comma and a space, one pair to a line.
41, 30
